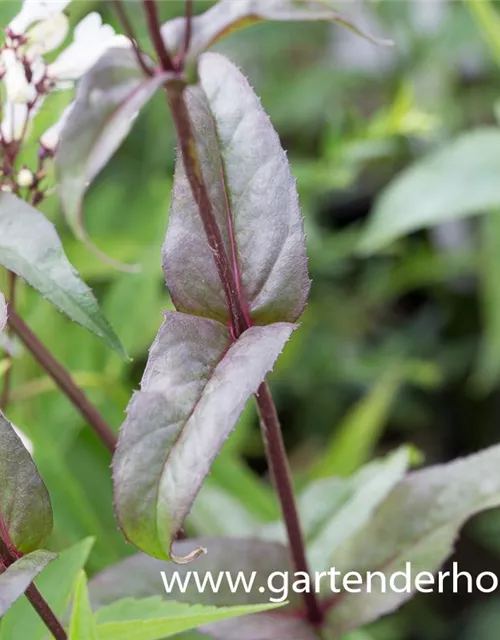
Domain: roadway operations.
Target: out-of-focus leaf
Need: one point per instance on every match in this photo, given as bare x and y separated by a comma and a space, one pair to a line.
195, 386
154, 619
254, 201
334, 509
24, 501
3, 312
488, 21
107, 102
228, 16
416, 524
354, 439
458, 180
30, 247
488, 366
18, 577
224, 555
82, 626
57, 583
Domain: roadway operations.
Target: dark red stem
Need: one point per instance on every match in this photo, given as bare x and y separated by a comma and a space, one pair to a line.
129, 32
63, 380
156, 37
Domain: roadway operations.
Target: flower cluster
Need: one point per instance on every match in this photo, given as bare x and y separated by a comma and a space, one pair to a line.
26, 78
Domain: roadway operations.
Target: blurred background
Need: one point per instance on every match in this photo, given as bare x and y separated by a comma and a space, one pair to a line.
395, 348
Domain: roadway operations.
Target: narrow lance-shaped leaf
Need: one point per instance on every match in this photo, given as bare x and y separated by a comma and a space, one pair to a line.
108, 100
195, 386
25, 509
255, 203
416, 524
82, 626
228, 16
30, 247
458, 180
18, 577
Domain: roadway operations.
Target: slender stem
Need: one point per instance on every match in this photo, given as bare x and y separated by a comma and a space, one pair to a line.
63, 380
156, 37
194, 175
188, 32
280, 472
4, 400
129, 32
45, 612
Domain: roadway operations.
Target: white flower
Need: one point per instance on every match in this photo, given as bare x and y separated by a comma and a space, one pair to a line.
47, 35
92, 38
19, 90
50, 139
15, 117
35, 10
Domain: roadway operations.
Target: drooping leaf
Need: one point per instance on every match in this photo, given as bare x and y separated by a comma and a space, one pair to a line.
30, 247
24, 502
57, 583
226, 555
18, 577
108, 100
458, 180
82, 626
195, 386
154, 619
334, 509
417, 524
255, 203
228, 16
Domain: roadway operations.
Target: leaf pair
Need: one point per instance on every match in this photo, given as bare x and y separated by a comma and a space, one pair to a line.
198, 378
416, 521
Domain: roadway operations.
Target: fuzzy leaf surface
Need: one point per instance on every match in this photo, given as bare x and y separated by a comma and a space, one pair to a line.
194, 388
418, 524
24, 501
228, 16
254, 200
18, 577
31, 248
108, 100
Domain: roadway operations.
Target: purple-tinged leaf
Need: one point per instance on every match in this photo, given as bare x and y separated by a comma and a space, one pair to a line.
228, 16
18, 577
108, 100
25, 510
417, 523
195, 386
31, 248
255, 203
231, 555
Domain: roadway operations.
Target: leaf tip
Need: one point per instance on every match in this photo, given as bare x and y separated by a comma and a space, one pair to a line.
190, 557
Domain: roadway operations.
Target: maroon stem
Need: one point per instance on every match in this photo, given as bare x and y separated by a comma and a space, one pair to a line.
282, 478
156, 37
63, 380
129, 32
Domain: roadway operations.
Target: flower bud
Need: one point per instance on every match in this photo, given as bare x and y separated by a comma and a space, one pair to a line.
25, 178
19, 90
47, 35
50, 139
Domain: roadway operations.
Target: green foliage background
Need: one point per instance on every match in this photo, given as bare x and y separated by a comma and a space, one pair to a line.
390, 346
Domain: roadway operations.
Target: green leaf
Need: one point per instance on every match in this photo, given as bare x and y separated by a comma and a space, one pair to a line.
195, 386
488, 21
416, 524
458, 180
18, 577
57, 583
82, 626
334, 509
108, 99
154, 619
487, 371
30, 247
254, 200
25, 508
354, 439
227, 16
